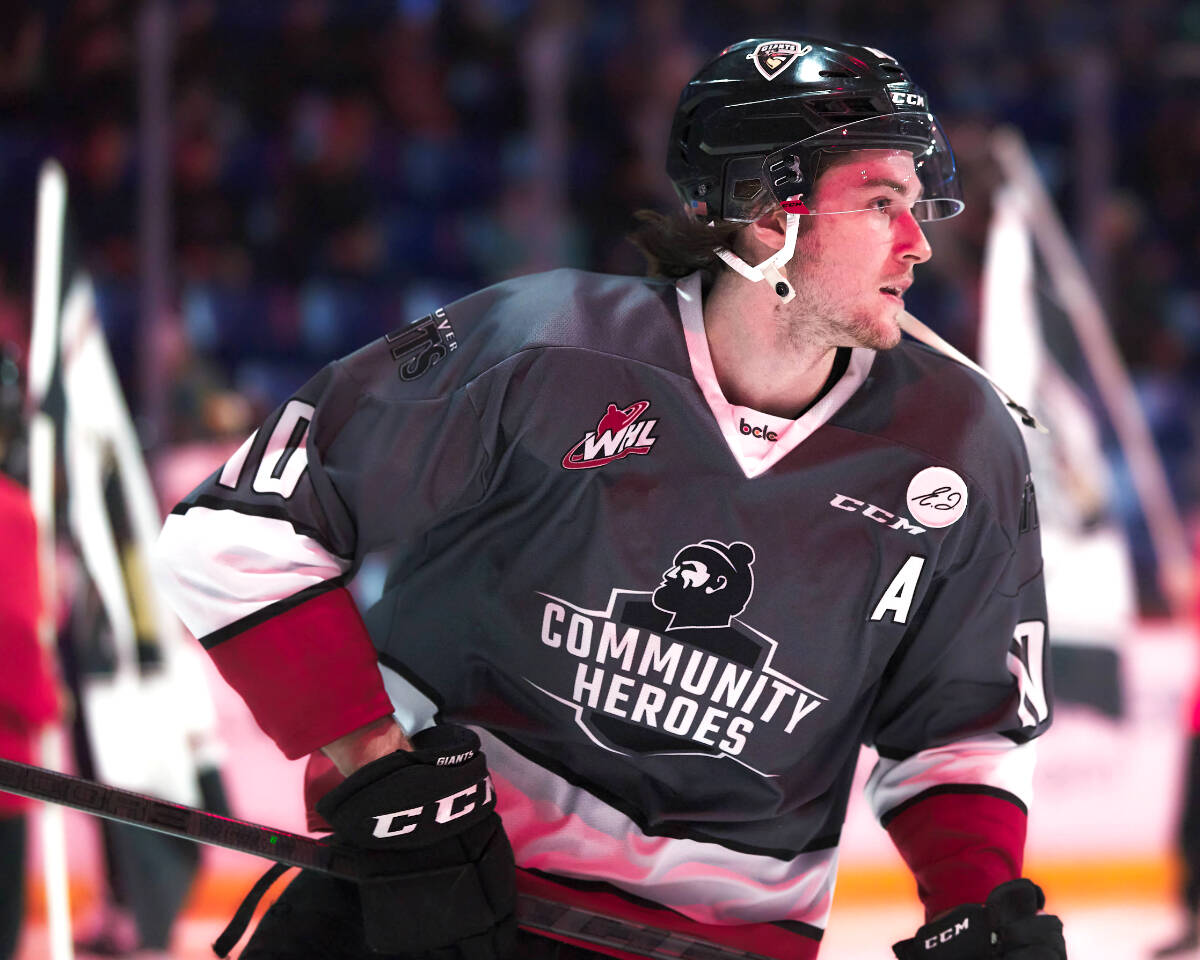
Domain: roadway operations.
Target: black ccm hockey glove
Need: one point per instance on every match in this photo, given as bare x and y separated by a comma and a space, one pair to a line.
438, 880
1008, 926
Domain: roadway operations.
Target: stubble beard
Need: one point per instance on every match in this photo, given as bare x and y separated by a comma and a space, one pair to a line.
873, 332
814, 321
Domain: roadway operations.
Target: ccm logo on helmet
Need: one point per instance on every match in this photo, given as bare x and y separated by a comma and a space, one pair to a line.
440, 811
907, 99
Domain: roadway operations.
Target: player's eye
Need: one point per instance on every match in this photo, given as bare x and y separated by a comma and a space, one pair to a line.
882, 204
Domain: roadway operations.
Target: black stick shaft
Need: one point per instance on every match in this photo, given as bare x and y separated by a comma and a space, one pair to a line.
534, 913
137, 809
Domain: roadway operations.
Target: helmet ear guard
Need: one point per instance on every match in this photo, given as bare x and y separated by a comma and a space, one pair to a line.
748, 190
771, 268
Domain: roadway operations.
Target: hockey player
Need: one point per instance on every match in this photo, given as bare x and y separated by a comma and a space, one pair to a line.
28, 696
669, 551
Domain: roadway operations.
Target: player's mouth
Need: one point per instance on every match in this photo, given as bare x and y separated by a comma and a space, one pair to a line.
894, 290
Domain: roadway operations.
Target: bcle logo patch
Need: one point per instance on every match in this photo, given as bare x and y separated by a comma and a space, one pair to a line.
772, 57
618, 434
751, 430
937, 497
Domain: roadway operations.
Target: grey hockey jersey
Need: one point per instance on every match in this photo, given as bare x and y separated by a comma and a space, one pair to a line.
672, 620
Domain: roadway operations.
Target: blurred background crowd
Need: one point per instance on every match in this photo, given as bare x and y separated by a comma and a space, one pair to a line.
336, 168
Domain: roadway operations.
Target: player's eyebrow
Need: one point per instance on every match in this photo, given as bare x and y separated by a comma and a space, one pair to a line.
897, 185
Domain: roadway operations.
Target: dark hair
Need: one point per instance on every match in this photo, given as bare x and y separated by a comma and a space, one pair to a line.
676, 244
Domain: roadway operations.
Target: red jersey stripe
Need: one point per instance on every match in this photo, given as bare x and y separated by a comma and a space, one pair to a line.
960, 846
309, 674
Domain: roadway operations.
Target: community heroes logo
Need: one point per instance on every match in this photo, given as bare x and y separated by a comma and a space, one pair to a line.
674, 671
617, 435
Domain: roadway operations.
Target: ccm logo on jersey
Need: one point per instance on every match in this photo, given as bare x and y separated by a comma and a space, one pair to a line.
878, 514
440, 811
618, 434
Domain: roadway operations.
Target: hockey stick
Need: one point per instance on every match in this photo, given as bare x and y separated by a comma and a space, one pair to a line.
139, 810
200, 826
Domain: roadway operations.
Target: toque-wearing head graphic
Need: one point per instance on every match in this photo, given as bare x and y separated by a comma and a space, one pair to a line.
708, 584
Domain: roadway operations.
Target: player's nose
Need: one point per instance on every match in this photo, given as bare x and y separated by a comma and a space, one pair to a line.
911, 240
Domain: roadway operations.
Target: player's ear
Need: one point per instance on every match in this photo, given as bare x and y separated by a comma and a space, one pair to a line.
769, 229
721, 584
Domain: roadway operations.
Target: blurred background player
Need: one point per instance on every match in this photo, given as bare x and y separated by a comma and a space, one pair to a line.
28, 700
1187, 834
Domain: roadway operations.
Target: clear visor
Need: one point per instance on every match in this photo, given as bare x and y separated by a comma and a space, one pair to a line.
930, 189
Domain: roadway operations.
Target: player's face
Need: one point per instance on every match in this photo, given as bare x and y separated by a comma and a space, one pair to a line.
851, 269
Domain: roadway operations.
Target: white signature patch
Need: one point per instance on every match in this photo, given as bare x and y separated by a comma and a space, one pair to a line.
937, 497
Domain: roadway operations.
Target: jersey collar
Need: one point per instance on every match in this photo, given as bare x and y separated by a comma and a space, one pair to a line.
747, 431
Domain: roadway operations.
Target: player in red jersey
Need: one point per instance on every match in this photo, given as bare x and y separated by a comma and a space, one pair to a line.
28, 700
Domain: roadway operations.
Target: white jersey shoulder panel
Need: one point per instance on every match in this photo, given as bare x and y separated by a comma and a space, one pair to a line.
219, 566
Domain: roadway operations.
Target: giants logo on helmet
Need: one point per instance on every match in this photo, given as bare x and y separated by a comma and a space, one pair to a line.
617, 435
772, 57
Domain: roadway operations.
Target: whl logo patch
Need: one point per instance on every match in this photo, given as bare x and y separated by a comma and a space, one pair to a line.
618, 434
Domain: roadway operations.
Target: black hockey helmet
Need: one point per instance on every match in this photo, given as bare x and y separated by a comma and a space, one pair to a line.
753, 126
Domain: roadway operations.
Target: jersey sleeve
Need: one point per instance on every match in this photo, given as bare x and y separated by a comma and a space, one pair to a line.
956, 721
256, 560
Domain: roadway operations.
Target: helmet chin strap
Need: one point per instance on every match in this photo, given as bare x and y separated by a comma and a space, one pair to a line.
769, 269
